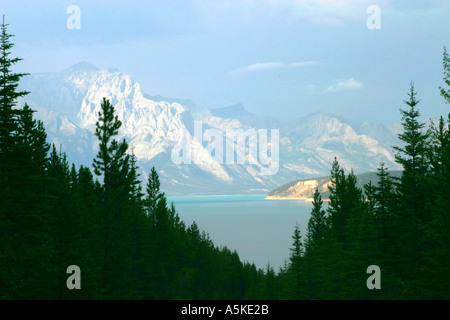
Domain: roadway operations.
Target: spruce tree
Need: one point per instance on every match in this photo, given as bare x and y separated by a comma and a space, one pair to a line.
336, 212
9, 81
154, 194
436, 234
412, 157
384, 193
317, 223
17, 214
110, 162
271, 292
32, 139
296, 264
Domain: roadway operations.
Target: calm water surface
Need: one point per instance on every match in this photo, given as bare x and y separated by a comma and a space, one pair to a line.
259, 230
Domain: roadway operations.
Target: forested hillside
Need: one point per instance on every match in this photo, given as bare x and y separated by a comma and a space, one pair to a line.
129, 243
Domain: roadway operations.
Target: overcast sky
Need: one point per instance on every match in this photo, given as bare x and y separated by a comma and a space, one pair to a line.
284, 58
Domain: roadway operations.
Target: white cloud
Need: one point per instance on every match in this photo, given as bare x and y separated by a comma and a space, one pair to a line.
344, 84
271, 65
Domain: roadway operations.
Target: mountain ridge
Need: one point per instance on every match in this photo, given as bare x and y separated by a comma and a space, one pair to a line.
154, 127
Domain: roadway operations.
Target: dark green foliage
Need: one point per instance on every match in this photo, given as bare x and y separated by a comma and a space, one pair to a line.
318, 222
446, 64
400, 224
127, 243
296, 265
9, 82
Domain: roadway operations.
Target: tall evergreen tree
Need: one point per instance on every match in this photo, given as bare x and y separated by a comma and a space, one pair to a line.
32, 139
9, 81
271, 292
13, 262
109, 163
337, 188
296, 264
314, 259
446, 63
412, 157
154, 194
317, 223
384, 193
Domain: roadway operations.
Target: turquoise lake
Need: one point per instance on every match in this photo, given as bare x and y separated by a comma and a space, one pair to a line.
259, 230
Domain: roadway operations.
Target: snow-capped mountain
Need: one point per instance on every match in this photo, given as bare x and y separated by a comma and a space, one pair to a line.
68, 102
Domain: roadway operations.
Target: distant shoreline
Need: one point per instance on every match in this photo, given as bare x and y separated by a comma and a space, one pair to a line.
293, 198
218, 195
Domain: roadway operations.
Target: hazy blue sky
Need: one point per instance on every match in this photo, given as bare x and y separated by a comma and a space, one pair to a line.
283, 58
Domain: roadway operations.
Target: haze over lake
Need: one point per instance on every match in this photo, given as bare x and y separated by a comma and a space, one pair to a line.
259, 230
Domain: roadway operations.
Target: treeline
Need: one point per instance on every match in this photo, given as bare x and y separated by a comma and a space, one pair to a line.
129, 243
401, 225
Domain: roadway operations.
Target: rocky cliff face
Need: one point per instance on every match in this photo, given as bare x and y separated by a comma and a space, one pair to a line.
301, 189
304, 189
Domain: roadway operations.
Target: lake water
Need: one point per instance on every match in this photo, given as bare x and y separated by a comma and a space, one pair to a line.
259, 230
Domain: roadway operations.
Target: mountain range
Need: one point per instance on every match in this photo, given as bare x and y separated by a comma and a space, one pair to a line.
68, 103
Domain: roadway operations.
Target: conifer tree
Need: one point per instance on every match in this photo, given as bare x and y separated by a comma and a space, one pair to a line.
446, 63
317, 223
336, 211
384, 193
111, 153
412, 157
109, 163
296, 263
13, 261
9, 81
271, 283
436, 234
32, 139
154, 194
411, 216
346, 201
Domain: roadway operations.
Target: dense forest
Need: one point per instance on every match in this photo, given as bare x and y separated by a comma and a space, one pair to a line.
130, 243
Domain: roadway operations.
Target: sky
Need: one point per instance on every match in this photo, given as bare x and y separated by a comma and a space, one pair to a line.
284, 58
